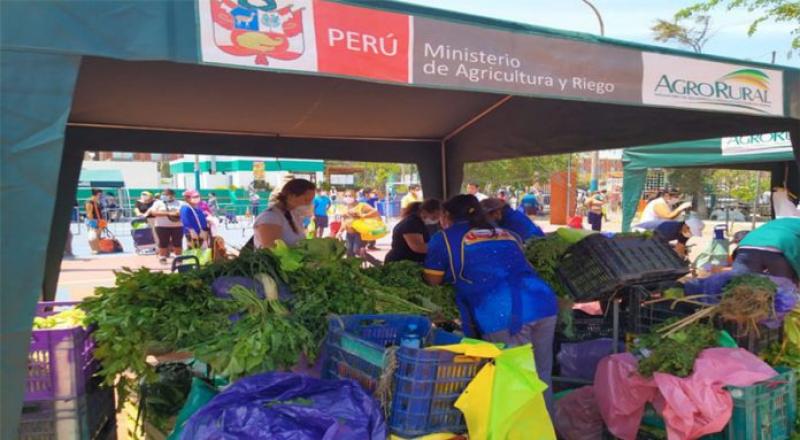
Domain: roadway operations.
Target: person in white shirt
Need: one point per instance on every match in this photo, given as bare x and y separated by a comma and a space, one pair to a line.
783, 204
168, 226
660, 208
474, 189
284, 220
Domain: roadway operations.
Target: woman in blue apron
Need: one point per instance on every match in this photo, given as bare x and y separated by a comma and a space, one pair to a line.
499, 295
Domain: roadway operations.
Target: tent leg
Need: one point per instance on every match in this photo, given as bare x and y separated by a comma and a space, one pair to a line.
794, 134
67, 184
431, 177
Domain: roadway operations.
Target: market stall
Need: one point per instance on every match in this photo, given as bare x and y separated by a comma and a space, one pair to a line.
323, 79
764, 152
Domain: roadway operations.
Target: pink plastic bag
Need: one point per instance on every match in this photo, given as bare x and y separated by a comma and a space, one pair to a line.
698, 405
621, 394
691, 407
577, 416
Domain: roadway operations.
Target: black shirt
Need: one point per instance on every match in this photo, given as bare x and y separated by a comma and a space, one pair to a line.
400, 250
144, 206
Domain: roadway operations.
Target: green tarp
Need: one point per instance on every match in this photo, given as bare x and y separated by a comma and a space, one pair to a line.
101, 178
693, 154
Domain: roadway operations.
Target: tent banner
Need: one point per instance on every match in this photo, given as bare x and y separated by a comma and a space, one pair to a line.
680, 82
766, 143
325, 37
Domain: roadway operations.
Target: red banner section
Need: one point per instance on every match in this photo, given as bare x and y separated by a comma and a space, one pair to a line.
361, 42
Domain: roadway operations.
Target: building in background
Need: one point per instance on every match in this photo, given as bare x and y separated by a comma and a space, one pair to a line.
241, 171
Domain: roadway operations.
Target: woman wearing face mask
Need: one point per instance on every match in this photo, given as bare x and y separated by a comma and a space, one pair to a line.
410, 236
284, 219
660, 208
499, 295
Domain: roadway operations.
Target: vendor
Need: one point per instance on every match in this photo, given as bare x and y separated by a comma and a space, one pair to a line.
677, 231
660, 207
410, 237
499, 296
284, 219
772, 248
503, 216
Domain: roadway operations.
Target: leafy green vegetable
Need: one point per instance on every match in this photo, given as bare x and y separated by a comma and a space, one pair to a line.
405, 278
146, 309
266, 338
752, 281
676, 353
544, 254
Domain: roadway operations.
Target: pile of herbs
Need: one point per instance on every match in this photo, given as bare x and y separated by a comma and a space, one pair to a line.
406, 277
243, 334
265, 338
545, 254
324, 283
676, 352
148, 310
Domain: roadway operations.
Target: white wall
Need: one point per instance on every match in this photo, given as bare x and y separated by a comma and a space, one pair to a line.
136, 174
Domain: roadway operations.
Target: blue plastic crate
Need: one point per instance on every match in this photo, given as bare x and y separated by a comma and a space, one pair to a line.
426, 382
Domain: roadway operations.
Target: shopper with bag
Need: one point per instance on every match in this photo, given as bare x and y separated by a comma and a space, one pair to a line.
358, 221
95, 221
193, 219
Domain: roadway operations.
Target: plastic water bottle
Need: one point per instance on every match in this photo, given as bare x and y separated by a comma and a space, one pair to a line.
411, 337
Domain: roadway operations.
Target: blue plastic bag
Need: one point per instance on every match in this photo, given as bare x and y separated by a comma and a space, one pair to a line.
578, 360
286, 406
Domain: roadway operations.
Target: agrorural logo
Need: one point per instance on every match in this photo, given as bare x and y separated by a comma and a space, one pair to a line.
744, 88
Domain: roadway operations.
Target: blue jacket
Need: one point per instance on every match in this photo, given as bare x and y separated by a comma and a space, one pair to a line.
519, 224
496, 287
196, 222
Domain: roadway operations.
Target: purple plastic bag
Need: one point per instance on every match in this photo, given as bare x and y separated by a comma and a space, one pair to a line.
578, 360
286, 406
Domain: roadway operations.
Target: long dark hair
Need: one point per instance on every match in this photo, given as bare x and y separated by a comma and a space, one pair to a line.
465, 207
294, 187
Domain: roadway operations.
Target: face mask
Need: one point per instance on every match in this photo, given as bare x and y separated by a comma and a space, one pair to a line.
303, 210
430, 221
349, 200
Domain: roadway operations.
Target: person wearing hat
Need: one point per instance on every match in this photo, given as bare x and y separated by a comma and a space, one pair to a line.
660, 207
195, 226
507, 218
772, 248
680, 232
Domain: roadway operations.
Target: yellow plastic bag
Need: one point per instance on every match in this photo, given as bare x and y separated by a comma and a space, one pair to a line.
505, 400
370, 229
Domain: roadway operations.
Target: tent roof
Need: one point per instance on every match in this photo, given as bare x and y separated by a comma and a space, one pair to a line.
707, 153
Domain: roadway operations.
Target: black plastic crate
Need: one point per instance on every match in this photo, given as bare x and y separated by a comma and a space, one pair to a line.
647, 316
749, 339
598, 266
587, 327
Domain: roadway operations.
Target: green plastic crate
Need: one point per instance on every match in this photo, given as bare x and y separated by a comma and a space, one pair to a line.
763, 411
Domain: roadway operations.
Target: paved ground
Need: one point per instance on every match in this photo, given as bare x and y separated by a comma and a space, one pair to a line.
80, 275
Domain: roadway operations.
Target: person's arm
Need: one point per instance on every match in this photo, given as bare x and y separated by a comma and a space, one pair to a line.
416, 242
662, 210
267, 234
436, 261
434, 279
90, 212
